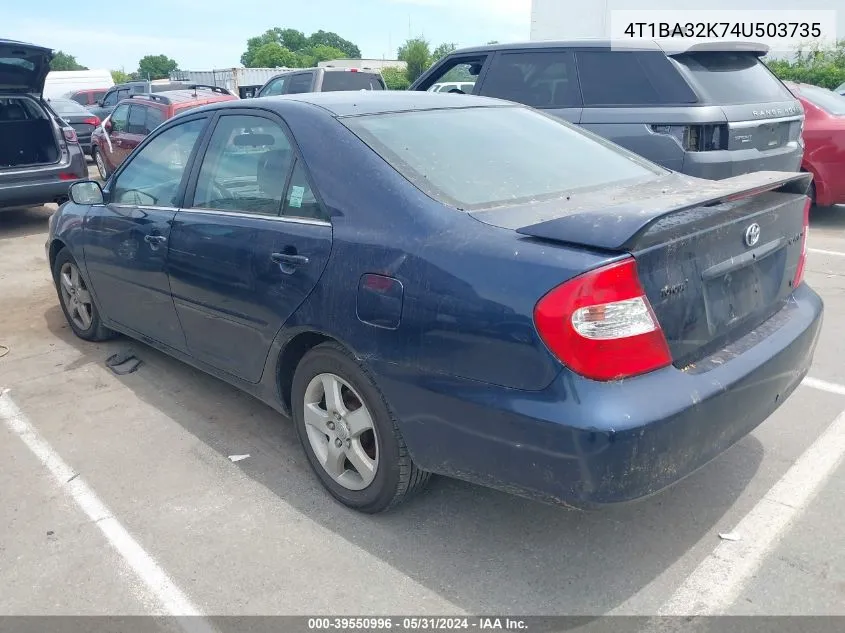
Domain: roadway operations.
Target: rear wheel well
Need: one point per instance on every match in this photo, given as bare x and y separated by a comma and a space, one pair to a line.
290, 357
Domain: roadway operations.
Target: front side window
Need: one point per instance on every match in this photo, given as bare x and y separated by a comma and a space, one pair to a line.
541, 80
299, 84
110, 99
274, 88
459, 70
153, 176
506, 154
137, 119
119, 118
246, 167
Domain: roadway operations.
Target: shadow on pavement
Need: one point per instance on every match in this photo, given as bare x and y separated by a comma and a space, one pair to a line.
24, 221
828, 217
485, 551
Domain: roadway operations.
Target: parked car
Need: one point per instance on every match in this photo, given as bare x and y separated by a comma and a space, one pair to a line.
502, 310
824, 141
87, 97
106, 104
709, 110
135, 117
40, 155
80, 119
300, 80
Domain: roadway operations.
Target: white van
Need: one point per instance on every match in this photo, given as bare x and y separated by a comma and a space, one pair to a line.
63, 82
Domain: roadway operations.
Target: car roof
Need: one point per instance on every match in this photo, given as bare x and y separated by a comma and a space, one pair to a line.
615, 44
362, 102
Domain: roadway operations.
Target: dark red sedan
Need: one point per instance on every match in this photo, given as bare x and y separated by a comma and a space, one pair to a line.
824, 139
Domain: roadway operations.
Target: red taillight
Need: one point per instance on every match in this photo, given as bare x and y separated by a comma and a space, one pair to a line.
70, 135
802, 258
601, 324
92, 120
67, 176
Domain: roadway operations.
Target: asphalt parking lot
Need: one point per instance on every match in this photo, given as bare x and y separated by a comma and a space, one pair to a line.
155, 518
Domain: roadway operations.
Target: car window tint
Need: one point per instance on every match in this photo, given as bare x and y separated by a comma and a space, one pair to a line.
541, 80
299, 84
81, 99
510, 154
300, 201
110, 99
628, 78
155, 117
732, 78
137, 120
119, 118
153, 176
275, 87
96, 96
348, 80
245, 168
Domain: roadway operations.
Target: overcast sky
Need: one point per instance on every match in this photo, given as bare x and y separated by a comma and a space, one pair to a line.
206, 34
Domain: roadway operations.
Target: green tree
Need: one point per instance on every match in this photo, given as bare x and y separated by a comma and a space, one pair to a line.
327, 38
395, 78
813, 64
415, 52
156, 67
274, 55
321, 53
120, 77
63, 61
441, 51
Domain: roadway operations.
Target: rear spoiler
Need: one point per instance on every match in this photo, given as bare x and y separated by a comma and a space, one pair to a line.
619, 227
755, 48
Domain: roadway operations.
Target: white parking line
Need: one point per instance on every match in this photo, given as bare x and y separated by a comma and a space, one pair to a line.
154, 578
720, 578
824, 252
823, 385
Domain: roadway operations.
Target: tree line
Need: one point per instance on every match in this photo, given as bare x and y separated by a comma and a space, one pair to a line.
149, 67
817, 65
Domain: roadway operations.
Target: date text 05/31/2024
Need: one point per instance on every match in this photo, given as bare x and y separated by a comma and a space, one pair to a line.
723, 29
416, 624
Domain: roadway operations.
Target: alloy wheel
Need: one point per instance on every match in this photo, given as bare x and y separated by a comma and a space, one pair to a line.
75, 296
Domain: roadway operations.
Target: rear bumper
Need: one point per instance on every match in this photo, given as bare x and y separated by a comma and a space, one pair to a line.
724, 164
587, 444
41, 186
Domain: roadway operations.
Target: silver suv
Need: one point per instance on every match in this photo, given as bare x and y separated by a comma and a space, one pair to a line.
710, 110
40, 155
324, 79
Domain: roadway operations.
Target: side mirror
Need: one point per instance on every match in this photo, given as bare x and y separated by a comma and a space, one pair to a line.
86, 192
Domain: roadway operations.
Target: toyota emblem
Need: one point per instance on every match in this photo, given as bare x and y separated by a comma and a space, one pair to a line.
752, 234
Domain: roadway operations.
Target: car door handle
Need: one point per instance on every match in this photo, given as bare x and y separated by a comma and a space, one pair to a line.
288, 259
155, 240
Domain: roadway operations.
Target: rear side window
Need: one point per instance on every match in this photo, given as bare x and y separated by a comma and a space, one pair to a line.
622, 78
732, 78
81, 98
541, 80
347, 80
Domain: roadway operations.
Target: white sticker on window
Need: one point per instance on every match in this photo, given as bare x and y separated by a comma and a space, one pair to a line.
296, 194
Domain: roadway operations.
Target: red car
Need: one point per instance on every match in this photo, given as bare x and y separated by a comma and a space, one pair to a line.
824, 140
88, 97
134, 118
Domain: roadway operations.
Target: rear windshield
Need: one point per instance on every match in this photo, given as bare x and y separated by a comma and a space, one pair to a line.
480, 157
67, 106
827, 100
346, 80
733, 78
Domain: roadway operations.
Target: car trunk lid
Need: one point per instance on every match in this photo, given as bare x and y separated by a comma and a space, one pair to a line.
715, 258
23, 67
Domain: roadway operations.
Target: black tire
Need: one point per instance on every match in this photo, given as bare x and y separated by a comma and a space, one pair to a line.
397, 477
95, 154
96, 331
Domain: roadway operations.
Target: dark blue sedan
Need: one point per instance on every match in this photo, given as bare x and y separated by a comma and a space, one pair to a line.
453, 285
